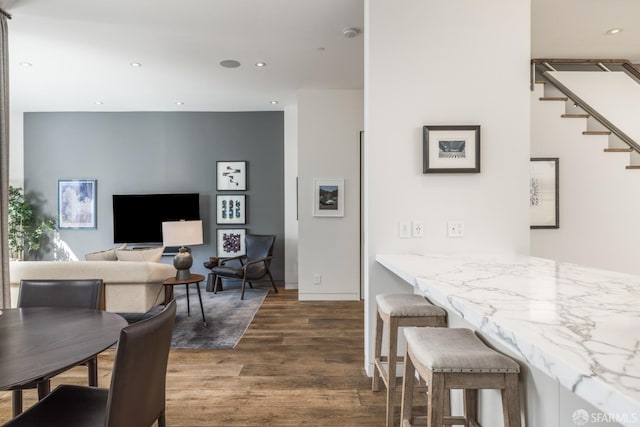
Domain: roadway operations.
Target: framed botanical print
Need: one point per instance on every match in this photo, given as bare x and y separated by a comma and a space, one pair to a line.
544, 192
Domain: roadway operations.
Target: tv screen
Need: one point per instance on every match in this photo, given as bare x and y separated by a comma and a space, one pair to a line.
137, 218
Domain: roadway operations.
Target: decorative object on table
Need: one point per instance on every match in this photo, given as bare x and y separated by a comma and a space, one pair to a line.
328, 197
230, 242
544, 192
77, 203
231, 175
451, 149
182, 233
231, 209
254, 266
26, 229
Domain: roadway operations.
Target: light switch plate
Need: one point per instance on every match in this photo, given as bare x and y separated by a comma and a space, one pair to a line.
404, 230
417, 229
455, 229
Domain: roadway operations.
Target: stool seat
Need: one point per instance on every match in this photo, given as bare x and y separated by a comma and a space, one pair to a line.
407, 305
456, 350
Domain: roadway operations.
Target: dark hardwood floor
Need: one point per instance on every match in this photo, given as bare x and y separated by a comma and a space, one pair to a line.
299, 363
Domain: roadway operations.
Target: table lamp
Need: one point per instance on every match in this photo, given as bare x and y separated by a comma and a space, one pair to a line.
182, 233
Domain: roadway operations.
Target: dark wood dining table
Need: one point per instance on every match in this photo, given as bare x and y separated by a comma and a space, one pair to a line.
37, 343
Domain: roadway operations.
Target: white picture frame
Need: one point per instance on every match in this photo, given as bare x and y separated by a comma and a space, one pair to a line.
328, 197
231, 176
77, 204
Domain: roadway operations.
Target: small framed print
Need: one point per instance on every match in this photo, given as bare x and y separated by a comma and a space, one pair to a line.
451, 149
77, 203
328, 197
230, 242
231, 209
544, 192
231, 176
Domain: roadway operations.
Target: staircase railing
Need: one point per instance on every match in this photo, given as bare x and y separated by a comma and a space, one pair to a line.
542, 67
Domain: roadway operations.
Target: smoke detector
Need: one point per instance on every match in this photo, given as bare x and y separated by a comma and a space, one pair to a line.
350, 32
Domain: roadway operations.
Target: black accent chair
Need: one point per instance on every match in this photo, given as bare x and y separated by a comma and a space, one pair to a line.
254, 266
85, 293
136, 397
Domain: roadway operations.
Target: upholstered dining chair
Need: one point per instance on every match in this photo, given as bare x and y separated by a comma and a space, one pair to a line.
254, 265
136, 397
58, 293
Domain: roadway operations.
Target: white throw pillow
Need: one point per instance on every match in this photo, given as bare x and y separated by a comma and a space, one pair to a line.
106, 255
151, 255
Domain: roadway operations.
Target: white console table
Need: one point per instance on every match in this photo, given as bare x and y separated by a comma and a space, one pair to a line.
579, 326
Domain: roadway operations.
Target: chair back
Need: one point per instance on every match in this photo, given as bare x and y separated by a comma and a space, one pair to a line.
84, 293
138, 380
259, 246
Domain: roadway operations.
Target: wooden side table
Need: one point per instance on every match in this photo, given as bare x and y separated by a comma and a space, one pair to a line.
194, 278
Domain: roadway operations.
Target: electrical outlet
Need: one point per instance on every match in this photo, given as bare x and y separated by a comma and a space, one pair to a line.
417, 229
317, 279
404, 230
455, 229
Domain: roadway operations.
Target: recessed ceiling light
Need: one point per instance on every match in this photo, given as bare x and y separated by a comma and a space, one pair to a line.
614, 31
26, 64
230, 63
99, 102
261, 64
179, 103
135, 64
274, 102
350, 32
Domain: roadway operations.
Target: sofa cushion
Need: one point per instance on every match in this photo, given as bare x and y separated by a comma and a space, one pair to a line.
105, 255
150, 255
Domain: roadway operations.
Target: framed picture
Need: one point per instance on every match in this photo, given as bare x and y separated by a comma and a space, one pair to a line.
231, 176
544, 192
328, 197
231, 242
77, 203
451, 149
231, 209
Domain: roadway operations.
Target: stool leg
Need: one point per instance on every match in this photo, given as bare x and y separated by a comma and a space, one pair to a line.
375, 381
511, 401
436, 399
471, 404
391, 370
408, 380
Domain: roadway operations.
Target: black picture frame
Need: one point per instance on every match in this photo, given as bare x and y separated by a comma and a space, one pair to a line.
231, 175
451, 149
237, 214
544, 192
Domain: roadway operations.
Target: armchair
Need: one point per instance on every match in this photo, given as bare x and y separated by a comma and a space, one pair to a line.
254, 266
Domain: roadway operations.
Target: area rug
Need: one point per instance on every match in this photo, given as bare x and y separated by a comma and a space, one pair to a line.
228, 317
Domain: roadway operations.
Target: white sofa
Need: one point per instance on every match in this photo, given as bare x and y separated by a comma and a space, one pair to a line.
130, 286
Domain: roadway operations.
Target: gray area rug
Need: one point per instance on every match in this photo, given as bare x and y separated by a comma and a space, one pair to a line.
227, 317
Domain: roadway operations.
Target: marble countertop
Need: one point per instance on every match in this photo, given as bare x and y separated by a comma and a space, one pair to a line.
579, 325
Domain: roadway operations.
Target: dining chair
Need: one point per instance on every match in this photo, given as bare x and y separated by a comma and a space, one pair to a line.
254, 265
85, 293
136, 396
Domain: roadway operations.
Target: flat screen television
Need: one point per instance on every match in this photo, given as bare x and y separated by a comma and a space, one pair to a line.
137, 218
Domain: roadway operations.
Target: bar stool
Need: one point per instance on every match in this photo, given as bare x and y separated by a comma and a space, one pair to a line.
456, 359
399, 310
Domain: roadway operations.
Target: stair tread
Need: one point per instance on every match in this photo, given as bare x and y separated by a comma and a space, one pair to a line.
541, 82
575, 116
633, 167
596, 132
618, 150
554, 98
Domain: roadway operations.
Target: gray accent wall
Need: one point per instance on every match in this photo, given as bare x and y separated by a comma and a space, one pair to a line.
157, 152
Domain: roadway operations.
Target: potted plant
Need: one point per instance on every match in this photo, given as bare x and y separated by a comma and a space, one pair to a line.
26, 228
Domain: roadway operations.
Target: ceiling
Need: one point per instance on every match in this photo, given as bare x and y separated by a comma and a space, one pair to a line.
81, 50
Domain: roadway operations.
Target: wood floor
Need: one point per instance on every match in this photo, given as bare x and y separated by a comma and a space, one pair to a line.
299, 363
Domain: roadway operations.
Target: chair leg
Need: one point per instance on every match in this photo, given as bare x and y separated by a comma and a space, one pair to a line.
511, 401
392, 380
215, 287
375, 381
272, 282
436, 399
242, 294
471, 405
408, 380
17, 402
162, 422
92, 368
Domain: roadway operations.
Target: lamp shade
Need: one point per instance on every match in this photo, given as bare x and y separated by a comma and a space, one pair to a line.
182, 233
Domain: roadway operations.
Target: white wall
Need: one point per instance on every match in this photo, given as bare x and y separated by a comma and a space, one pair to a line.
329, 125
290, 197
444, 62
598, 202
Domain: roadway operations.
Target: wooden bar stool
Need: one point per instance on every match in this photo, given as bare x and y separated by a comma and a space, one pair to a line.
456, 359
399, 310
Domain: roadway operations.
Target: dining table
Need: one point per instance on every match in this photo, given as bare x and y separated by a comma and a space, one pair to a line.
38, 343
